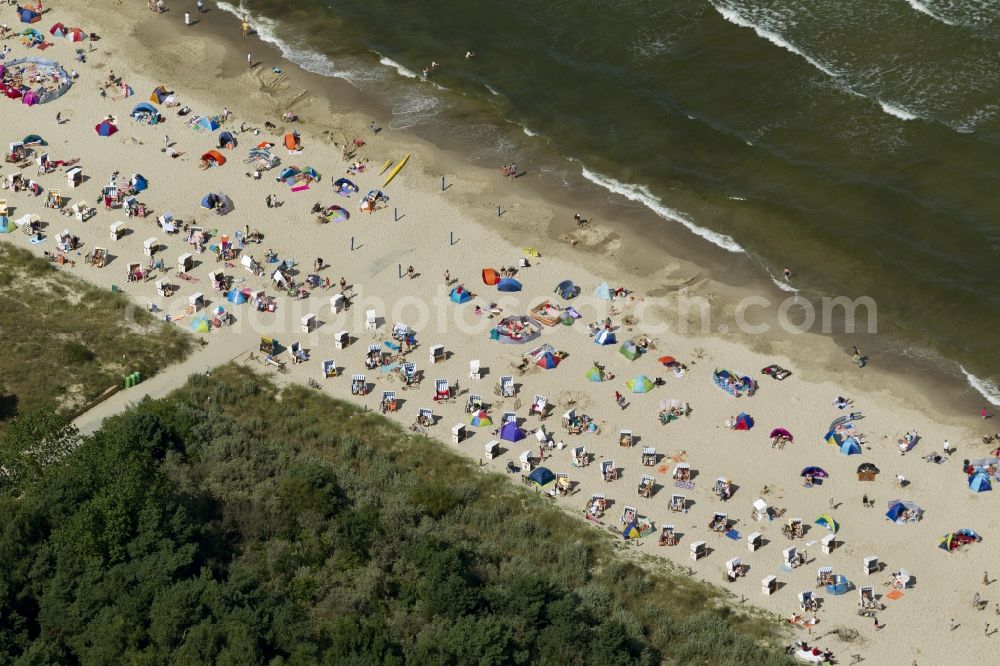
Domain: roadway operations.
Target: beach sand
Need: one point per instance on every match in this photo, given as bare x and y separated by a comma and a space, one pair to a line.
457, 229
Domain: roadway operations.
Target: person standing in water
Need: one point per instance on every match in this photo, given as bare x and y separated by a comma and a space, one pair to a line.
787, 273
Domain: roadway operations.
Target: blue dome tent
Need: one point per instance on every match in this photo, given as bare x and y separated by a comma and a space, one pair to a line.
511, 433
236, 297
460, 295
567, 290
143, 107
980, 482
508, 284
605, 337
541, 476
226, 138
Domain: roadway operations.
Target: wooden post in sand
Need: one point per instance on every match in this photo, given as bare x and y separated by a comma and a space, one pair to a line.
395, 216
442, 183
352, 243
451, 238
399, 267
498, 211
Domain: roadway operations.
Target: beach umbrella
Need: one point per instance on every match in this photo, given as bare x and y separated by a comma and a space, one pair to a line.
640, 384
200, 325
105, 128
58, 30
827, 521
481, 419
867, 468
743, 422
339, 214
508, 284
34, 139
548, 360
781, 432
76, 35
511, 433
953, 540
815, 472
541, 476
595, 374
344, 187
667, 360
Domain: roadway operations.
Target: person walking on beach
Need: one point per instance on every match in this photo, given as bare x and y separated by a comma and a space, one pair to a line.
578, 218
245, 27
166, 141
249, 59
201, 6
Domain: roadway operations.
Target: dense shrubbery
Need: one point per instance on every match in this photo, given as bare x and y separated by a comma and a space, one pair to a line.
224, 525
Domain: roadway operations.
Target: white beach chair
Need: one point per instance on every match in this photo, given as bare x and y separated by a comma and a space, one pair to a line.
474, 372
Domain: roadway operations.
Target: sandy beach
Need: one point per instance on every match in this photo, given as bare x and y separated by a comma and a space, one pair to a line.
442, 216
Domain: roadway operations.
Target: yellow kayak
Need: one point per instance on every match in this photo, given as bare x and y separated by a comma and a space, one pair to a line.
392, 174
385, 167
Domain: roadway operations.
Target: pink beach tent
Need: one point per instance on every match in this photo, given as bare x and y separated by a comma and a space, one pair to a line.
30, 98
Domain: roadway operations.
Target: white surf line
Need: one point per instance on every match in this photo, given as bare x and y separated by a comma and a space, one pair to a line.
927, 11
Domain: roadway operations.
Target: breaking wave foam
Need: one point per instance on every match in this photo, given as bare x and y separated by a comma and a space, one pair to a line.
897, 111
986, 387
773, 37
403, 71
927, 11
641, 194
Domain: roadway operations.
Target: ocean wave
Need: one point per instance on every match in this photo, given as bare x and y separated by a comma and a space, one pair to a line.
986, 387
782, 285
924, 9
492, 91
403, 71
641, 194
529, 132
898, 111
306, 58
736, 19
